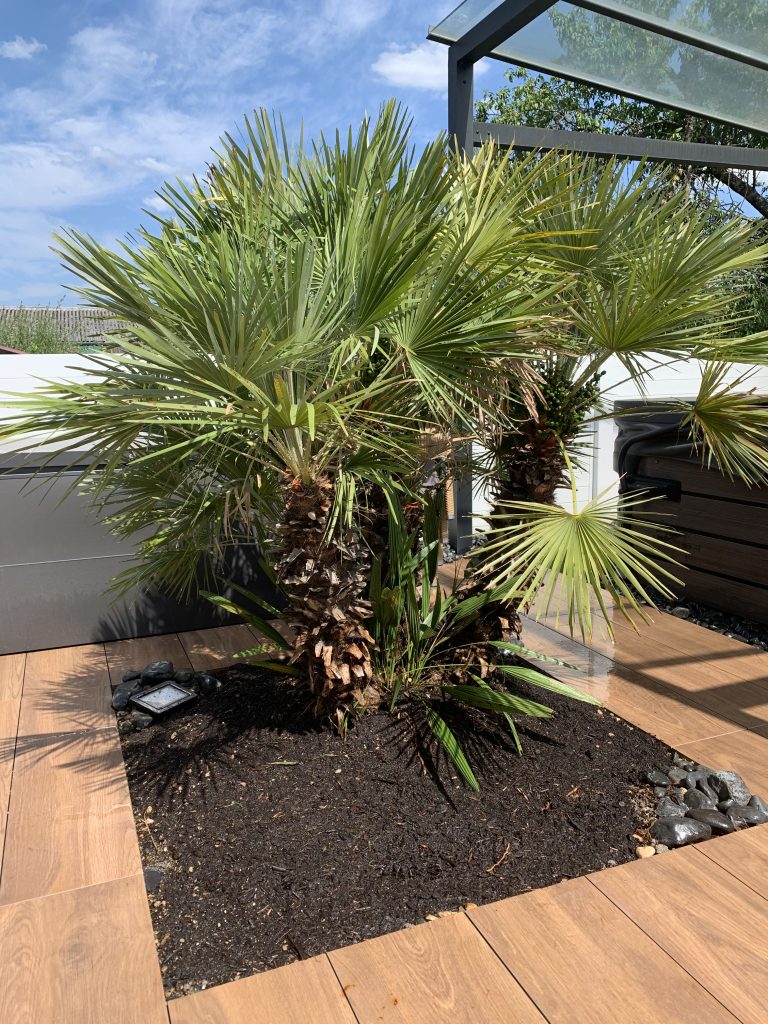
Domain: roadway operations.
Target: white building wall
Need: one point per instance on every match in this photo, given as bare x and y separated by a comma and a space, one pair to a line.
22, 374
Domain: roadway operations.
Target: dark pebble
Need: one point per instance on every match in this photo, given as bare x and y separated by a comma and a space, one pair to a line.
205, 684
676, 775
731, 785
720, 823
679, 831
682, 762
704, 787
157, 672
152, 878
659, 791
657, 778
183, 676
747, 815
695, 798
668, 808
759, 803
131, 674
723, 805
692, 778
140, 720
120, 699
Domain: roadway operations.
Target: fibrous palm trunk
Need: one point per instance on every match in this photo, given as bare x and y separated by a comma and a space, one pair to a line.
531, 467
325, 579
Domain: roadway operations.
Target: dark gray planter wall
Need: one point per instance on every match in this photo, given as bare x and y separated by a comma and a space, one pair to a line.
56, 565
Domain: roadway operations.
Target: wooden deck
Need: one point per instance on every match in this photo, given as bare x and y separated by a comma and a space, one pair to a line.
678, 938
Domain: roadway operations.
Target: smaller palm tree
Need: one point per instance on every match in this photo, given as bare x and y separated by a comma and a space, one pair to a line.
651, 282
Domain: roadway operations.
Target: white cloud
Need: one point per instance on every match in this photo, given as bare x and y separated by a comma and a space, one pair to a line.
20, 48
156, 203
424, 66
142, 96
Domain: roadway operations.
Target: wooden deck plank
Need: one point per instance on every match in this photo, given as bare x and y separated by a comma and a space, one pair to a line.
744, 854
123, 655
209, 648
296, 994
11, 684
744, 752
641, 700
66, 690
710, 923
430, 974
671, 645
738, 703
81, 957
582, 961
12, 676
70, 821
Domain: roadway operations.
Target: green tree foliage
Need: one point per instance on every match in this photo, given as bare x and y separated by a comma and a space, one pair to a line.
594, 43
36, 331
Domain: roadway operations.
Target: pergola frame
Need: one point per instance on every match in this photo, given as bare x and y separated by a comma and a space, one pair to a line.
481, 41
510, 17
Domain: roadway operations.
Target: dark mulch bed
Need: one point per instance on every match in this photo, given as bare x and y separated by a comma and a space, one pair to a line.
278, 840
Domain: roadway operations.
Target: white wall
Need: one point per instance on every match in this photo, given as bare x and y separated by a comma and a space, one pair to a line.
22, 374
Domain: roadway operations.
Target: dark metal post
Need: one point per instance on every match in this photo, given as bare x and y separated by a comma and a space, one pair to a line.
506, 19
461, 102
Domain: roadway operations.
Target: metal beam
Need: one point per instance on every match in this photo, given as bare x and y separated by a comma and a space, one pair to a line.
524, 137
659, 26
502, 22
461, 103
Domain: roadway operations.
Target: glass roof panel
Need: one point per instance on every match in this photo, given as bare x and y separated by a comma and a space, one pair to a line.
463, 18
741, 27
576, 43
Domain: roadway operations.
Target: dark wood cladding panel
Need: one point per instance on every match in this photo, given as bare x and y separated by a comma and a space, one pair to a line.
695, 479
723, 528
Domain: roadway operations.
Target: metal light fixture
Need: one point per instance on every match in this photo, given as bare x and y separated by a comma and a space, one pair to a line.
162, 698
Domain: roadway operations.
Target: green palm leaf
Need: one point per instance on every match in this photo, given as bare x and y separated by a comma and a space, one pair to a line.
604, 553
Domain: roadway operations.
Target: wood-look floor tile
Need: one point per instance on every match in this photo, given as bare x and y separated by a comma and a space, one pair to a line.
714, 926
209, 648
582, 961
11, 684
70, 821
430, 974
300, 993
743, 752
86, 956
744, 854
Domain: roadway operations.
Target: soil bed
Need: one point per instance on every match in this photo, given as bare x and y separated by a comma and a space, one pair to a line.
275, 840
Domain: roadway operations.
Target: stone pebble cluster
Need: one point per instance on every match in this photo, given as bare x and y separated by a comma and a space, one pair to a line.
138, 681
695, 802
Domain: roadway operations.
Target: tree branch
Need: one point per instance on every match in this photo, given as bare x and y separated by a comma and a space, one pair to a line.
741, 187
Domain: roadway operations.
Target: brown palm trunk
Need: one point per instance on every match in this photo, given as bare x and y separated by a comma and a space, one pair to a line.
531, 468
326, 579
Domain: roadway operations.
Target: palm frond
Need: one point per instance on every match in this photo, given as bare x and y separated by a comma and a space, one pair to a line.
730, 425
604, 557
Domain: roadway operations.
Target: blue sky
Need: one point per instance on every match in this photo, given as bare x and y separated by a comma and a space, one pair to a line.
101, 101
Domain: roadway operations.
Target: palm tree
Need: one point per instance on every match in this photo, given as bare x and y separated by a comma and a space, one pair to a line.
651, 282
293, 323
